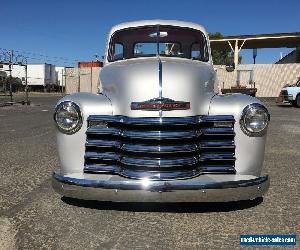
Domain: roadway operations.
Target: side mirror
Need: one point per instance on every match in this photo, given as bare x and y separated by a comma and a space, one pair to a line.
230, 67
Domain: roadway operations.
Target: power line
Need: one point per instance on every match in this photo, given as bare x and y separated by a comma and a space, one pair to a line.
43, 57
40, 55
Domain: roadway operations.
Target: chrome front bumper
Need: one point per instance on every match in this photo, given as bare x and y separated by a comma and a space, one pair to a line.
204, 188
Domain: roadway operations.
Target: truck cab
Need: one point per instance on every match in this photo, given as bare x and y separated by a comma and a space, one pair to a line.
158, 130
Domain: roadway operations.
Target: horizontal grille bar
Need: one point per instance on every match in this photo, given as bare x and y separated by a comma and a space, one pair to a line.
103, 143
184, 148
102, 168
157, 149
113, 169
160, 135
160, 120
170, 147
225, 169
218, 131
106, 156
224, 144
161, 163
217, 156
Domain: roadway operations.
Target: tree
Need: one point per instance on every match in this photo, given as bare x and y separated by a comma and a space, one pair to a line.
221, 57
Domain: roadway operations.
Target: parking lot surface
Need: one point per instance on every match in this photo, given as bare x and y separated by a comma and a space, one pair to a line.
33, 216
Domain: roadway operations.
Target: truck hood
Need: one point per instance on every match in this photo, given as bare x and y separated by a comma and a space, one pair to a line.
291, 88
137, 80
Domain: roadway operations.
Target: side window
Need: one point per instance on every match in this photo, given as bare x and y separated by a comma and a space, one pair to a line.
199, 52
196, 53
118, 51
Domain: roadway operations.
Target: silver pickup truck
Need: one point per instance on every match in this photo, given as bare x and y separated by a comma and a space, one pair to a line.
157, 130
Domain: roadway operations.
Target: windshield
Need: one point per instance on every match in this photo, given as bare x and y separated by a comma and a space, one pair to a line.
151, 41
150, 49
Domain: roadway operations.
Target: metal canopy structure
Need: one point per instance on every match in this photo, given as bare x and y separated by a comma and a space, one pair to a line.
275, 40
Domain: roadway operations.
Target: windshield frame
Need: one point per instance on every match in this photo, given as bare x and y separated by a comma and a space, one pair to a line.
205, 58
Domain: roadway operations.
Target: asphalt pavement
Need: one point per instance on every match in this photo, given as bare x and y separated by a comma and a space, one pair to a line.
33, 216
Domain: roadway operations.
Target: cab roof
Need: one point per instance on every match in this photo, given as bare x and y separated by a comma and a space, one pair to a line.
156, 22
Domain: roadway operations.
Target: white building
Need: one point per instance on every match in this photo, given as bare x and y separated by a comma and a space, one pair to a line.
60, 76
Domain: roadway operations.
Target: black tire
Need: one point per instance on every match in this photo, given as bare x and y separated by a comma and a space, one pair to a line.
297, 102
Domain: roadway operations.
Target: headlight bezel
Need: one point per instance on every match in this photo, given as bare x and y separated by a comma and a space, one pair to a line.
246, 111
79, 123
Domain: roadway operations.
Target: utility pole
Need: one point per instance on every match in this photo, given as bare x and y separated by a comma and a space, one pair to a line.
65, 83
11, 54
26, 85
78, 79
62, 79
92, 77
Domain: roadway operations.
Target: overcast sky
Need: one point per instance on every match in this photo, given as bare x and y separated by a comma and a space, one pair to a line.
66, 31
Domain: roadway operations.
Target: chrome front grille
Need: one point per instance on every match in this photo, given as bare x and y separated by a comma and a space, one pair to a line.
160, 148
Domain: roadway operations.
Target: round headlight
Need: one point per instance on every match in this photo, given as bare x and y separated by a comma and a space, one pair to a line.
254, 120
68, 117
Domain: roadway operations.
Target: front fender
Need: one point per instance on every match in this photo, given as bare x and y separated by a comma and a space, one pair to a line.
71, 148
249, 150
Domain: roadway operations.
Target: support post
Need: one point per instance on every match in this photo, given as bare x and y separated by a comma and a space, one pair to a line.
236, 53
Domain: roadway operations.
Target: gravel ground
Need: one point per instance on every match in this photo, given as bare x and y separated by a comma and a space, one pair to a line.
32, 216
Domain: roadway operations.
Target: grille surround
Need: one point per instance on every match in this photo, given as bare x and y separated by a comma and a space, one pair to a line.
160, 148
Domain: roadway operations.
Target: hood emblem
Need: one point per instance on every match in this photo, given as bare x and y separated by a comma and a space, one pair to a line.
164, 104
